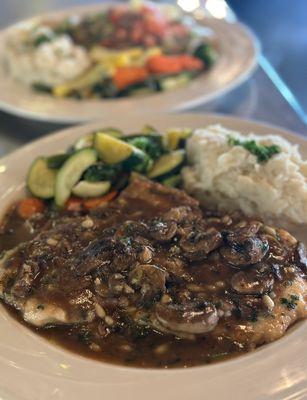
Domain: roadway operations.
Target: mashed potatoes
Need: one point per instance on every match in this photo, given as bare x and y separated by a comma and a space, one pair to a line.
51, 63
230, 177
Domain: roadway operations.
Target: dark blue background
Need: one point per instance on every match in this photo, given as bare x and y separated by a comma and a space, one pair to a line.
281, 26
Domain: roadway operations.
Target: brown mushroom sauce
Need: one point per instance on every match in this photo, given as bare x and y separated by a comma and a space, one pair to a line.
176, 285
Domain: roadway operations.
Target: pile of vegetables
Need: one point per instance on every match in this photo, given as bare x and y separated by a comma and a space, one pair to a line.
99, 164
131, 51
135, 71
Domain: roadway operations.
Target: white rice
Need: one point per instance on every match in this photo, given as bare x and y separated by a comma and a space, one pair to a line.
229, 177
51, 63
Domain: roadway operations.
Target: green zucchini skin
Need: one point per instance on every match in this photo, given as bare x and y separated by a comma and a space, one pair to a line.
167, 165
41, 179
172, 182
139, 161
56, 161
71, 172
86, 189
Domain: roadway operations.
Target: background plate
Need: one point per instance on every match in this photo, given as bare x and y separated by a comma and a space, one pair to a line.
238, 53
33, 369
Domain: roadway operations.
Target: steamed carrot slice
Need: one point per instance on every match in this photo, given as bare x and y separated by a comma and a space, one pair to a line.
99, 201
190, 63
30, 206
162, 64
127, 76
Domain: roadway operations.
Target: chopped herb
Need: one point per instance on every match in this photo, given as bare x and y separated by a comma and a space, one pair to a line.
42, 39
261, 151
290, 303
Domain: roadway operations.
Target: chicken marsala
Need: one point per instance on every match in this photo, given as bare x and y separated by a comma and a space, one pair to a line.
152, 280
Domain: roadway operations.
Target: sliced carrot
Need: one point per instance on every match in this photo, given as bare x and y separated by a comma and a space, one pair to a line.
127, 76
190, 63
162, 64
74, 204
99, 201
30, 206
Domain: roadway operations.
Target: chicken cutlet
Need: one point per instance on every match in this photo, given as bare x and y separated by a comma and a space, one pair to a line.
153, 280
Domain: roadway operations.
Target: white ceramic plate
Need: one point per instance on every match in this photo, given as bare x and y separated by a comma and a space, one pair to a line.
33, 369
238, 52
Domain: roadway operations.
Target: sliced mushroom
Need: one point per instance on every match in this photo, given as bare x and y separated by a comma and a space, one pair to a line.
149, 280
163, 231
251, 251
25, 279
276, 271
243, 231
277, 250
251, 282
286, 237
126, 252
135, 228
301, 253
191, 318
176, 269
146, 254
94, 255
198, 244
181, 214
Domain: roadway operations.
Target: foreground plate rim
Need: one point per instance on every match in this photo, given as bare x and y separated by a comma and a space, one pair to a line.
131, 382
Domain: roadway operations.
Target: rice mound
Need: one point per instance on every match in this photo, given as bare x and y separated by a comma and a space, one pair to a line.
51, 63
231, 178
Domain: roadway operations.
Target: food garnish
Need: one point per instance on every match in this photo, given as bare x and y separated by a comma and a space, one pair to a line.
263, 152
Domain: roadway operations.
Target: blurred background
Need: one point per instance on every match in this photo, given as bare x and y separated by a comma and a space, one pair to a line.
281, 26
276, 93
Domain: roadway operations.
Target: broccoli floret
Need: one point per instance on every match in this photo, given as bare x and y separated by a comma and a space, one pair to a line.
139, 161
206, 53
150, 144
101, 172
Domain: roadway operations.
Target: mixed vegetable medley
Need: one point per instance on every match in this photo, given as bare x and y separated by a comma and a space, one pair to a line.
122, 51
99, 164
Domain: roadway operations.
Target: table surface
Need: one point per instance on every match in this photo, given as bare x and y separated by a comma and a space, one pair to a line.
263, 97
